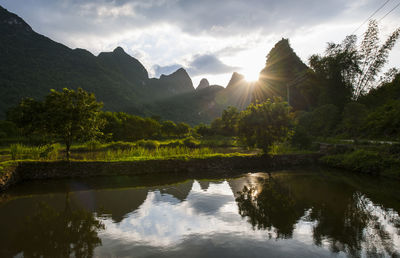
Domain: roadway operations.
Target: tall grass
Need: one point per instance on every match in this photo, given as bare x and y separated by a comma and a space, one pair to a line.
48, 152
141, 153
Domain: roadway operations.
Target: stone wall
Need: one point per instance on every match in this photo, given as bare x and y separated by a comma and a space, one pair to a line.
50, 170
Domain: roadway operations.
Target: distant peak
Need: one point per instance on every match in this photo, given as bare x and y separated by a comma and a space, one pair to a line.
180, 70
236, 74
235, 79
203, 84
119, 50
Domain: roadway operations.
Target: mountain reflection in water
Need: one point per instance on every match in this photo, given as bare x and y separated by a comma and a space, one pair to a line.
303, 214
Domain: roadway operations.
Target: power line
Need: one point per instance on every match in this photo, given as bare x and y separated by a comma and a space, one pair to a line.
389, 12
372, 15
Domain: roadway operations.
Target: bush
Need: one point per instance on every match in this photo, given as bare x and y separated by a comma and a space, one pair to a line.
92, 145
148, 144
301, 139
190, 142
364, 161
14, 150
218, 141
120, 145
19, 151
266, 124
173, 144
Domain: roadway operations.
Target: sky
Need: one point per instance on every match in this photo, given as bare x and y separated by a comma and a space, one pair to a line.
209, 38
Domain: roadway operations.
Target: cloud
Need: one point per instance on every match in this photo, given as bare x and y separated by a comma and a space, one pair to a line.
205, 64
170, 31
168, 69
217, 18
208, 64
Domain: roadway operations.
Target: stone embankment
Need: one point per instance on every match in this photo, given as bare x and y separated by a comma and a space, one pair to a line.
25, 171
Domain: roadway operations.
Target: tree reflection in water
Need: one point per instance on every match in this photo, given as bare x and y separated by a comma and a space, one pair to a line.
348, 222
52, 233
273, 206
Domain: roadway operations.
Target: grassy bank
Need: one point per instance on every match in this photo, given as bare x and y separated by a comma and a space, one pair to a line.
185, 148
379, 160
219, 164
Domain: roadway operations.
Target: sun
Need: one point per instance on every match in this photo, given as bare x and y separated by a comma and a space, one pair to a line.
250, 75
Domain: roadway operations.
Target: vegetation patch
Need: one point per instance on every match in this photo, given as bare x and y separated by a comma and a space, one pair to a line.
365, 161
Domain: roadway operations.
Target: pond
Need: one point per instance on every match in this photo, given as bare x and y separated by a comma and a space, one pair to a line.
301, 213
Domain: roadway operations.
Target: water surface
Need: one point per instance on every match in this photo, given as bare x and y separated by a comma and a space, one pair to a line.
302, 213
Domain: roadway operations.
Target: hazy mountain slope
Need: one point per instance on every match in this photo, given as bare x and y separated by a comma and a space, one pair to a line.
286, 76
200, 106
32, 64
206, 103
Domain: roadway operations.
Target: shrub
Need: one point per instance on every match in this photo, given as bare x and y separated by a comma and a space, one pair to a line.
148, 144
217, 141
19, 151
14, 150
92, 145
121, 145
173, 144
301, 138
364, 161
190, 142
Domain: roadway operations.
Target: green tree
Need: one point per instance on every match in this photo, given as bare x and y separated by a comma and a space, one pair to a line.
384, 122
263, 125
216, 126
373, 57
203, 130
336, 71
229, 120
29, 117
152, 127
353, 118
320, 122
347, 70
168, 128
73, 115
182, 129
67, 115
8, 129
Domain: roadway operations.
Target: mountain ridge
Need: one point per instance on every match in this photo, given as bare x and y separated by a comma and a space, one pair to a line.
32, 64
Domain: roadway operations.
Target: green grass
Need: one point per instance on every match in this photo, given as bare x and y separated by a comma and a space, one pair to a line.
366, 161
285, 148
19, 151
141, 153
186, 148
218, 141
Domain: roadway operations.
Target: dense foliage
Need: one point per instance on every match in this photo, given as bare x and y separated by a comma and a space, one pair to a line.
67, 115
263, 125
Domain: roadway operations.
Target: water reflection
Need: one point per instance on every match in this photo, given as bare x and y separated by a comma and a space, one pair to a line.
344, 220
49, 232
302, 214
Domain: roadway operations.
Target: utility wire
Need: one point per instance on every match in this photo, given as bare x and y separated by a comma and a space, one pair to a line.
372, 15
389, 12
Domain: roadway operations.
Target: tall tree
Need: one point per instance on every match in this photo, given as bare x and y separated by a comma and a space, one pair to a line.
73, 115
336, 71
348, 70
263, 125
373, 57
68, 115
